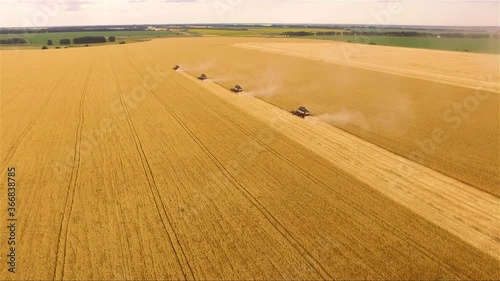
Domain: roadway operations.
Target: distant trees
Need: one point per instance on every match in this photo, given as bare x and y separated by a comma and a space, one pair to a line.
64, 42
111, 39
45, 48
89, 40
122, 42
319, 33
402, 33
49, 42
298, 33
13, 41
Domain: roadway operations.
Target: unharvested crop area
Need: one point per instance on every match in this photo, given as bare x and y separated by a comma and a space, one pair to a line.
130, 170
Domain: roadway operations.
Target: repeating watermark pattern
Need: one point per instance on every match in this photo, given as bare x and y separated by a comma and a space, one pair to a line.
48, 10
222, 7
454, 118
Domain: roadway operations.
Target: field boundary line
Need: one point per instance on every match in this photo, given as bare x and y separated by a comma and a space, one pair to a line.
152, 183
12, 150
70, 197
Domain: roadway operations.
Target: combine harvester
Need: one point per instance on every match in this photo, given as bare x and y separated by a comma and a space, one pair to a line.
202, 77
301, 112
176, 67
237, 89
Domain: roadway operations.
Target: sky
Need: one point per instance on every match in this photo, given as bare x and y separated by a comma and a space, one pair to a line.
41, 13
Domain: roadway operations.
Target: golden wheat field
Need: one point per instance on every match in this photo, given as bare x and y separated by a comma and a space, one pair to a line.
128, 170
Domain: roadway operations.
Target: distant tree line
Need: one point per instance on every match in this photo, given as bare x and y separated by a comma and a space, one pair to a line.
86, 40
89, 40
13, 41
64, 42
319, 33
298, 33
427, 34
393, 33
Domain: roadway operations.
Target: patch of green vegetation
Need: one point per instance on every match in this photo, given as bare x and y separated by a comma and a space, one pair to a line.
419, 30
223, 32
483, 45
254, 31
279, 31
129, 36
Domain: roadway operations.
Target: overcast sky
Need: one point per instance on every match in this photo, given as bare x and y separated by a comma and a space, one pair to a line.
106, 12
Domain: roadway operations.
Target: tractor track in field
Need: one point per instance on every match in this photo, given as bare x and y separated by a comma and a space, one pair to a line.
188, 274
285, 233
5, 105
70, 197
272, 220
12, 150
122, 216
263, 210
372, 216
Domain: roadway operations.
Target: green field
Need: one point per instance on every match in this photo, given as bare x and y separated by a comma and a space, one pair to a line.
254, 32
127, 36
487, 46
223, 32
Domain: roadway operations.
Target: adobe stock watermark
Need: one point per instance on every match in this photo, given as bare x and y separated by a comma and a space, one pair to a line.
139, 93
47, 11
381, 18
454, 117
106, 126
222, 7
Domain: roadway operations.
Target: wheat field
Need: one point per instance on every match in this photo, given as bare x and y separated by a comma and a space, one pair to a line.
129, 170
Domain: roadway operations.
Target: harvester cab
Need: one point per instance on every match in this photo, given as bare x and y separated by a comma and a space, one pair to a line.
301, 112
237, 89
202, 77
